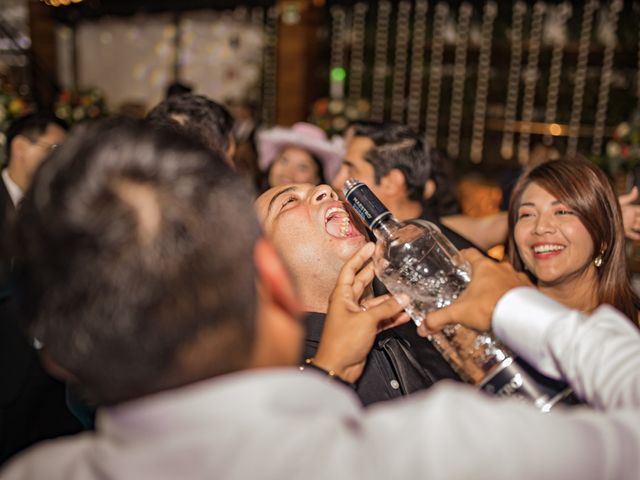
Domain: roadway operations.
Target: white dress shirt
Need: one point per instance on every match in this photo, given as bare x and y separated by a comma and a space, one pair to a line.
283, 424
15, 192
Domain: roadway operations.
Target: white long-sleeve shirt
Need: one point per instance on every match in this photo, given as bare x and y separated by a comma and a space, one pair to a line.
283, 424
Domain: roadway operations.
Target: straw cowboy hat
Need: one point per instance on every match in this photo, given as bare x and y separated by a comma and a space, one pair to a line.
305, 136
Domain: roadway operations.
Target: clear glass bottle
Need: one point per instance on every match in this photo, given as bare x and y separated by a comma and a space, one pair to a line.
414, 258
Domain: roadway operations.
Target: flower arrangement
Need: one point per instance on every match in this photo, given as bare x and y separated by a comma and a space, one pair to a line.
73, 107
334, 116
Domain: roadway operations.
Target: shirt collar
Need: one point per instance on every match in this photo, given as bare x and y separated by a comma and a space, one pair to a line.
15, 192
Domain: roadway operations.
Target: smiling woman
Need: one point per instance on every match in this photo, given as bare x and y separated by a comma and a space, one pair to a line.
300, 154
565, 229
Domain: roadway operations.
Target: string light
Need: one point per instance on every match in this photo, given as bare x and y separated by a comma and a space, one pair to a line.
482, 88
513, 84
581, 77
417, 64
338, 26
459, 73
555, 70
356, 68
400, 62
435, 72
270, 66
605, 79
380, 61
60, 3
530, 79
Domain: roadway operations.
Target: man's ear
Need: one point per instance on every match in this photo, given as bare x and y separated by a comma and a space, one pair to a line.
429, 189
55, 369
273, 279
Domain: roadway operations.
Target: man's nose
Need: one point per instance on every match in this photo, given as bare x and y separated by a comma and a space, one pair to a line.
322, 193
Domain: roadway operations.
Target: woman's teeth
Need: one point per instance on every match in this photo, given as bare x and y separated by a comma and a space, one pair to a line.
547, 248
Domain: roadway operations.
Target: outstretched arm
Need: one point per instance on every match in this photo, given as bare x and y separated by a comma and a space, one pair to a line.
598, 354
485, 232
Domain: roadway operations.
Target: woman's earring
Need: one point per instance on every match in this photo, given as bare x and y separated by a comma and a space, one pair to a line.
598, 260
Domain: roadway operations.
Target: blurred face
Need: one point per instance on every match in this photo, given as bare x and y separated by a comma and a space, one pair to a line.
552, 241
35, 151
293, 165
355, 166
311, 229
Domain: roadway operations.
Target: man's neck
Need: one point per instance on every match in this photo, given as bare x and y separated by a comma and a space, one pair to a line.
315, 304
314, 296
17, 177
405, 209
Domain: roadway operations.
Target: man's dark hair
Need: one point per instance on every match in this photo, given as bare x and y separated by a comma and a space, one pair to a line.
198, 116
177, 88
31, 126
135, 247
397, 146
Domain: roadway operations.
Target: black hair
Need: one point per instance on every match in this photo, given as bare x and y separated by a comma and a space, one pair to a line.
177, 88
198, 116
31, 126
397, 146
134, 244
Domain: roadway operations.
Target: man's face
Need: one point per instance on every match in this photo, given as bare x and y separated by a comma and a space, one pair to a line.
35, 151
355, 166
311, 229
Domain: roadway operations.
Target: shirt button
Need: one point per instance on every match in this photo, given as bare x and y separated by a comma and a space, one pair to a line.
394, 384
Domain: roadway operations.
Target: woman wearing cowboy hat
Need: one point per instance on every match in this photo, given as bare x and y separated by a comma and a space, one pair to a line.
300, 154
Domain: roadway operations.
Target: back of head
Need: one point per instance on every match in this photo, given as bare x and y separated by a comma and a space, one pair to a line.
126, 264
198, 116
584, 188
397, 146
177, 88
31, 126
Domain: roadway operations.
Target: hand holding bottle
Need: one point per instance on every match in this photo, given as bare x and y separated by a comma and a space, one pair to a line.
474, 307
352, 324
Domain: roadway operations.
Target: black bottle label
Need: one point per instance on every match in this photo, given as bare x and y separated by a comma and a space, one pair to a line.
366, 204
511, 380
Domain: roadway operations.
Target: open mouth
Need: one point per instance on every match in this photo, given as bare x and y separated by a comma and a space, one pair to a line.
548, 249
337, 223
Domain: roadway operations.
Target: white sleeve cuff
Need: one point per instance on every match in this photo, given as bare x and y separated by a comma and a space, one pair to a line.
522, 319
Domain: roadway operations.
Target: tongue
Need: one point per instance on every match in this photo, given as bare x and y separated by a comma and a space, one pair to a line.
335, 225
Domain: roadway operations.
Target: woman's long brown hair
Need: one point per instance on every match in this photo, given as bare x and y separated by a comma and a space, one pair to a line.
585, 188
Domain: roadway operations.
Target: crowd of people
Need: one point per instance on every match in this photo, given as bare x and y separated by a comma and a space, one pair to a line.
196, 322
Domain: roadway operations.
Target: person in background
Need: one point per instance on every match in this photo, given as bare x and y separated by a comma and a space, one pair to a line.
245, 128
199, 116
178, 88
300, 154
566, 232
32, 403
394, 162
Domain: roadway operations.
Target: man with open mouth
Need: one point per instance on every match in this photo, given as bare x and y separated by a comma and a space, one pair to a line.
316, 235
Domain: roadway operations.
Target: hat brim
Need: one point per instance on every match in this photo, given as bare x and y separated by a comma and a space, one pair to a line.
271, 142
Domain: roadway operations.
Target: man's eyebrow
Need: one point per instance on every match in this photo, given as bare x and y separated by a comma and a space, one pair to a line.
275, 197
